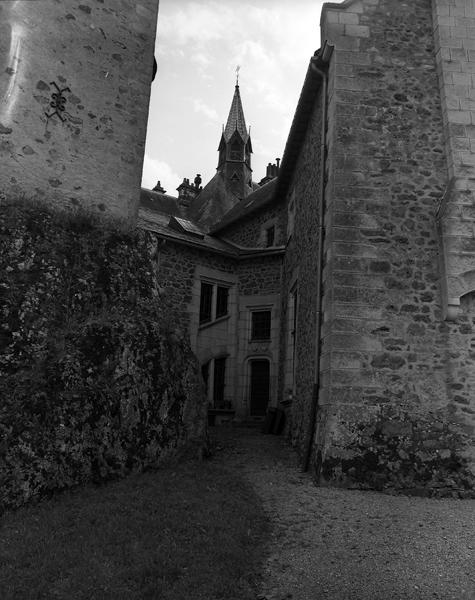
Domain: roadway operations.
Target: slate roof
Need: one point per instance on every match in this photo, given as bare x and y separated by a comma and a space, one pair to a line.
164, 226
159, 223
213, 202
236, 118
159, 202
260, 197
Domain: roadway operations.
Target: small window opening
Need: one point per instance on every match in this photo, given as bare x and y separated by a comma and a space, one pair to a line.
260, 325
236, 151
270, 236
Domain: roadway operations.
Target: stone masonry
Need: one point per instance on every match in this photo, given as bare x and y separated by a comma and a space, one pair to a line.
300, 271
454, 33
395, 410
75, 81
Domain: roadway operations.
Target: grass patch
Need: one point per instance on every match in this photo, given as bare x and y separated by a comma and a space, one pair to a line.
192, 531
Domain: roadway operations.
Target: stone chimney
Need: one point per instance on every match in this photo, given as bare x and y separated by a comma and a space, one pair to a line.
158, 188
271, 172
187, 191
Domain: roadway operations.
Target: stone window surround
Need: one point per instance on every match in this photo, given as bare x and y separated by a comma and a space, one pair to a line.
210, 392
247, 374
254, 309
216, 283
215, 276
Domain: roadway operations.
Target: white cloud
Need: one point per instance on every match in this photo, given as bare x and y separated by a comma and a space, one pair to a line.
200, 43
196, 23
154, 170
200, 107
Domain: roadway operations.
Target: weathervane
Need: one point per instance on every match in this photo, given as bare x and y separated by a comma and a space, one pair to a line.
237, 74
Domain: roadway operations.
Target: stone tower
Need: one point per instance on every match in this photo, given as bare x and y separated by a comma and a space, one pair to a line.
75, 83
235, 150
233, 179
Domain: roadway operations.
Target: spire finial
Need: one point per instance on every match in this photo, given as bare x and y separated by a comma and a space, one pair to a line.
237, 75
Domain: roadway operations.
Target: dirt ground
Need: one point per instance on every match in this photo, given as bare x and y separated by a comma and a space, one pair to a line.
333, 544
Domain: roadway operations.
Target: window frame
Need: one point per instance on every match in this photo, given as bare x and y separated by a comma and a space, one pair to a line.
270, 236
220, 301
252, 336
206, 317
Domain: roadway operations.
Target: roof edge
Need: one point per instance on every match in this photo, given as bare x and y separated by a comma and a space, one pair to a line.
235, 252
217, 227
335, 6
311, 85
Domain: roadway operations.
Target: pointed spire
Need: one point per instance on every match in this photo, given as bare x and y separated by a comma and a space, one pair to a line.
236, 118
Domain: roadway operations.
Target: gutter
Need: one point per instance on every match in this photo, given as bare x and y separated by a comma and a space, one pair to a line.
320, 60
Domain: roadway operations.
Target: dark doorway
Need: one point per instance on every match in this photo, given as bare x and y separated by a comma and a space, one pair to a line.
219, 382
259, 388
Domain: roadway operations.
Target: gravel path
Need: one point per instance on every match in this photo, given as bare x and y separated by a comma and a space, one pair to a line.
333, 544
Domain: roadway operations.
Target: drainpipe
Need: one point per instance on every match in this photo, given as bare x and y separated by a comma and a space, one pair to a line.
321, 232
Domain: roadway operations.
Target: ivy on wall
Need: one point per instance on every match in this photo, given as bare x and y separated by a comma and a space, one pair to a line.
96, 381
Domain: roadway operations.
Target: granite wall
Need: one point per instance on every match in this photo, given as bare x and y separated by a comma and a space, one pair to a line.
391, 412
253, 282
250, 231
300, 274
75, 79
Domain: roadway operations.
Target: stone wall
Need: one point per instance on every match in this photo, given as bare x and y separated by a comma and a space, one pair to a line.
391, 415
176, 267
454, 26
253, 282
300, 272
97, 378
259, 276
250, 231
86, 150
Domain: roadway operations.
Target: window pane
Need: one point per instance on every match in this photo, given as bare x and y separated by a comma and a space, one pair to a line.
222, 301
205, 302
219, 377
260, 325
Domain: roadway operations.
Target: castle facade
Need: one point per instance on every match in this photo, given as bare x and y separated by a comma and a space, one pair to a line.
341, 290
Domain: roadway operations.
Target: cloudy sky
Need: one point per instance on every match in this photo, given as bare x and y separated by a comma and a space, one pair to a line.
199, 45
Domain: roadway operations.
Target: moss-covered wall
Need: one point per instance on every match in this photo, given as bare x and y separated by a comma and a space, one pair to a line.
94, 382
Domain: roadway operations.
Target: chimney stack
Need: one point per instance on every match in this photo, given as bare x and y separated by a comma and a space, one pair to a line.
187, 191
158, 188
271, 172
